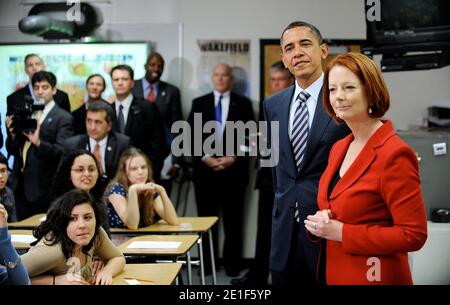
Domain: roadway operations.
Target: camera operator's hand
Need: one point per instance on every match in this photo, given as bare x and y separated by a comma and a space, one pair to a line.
33, 137
9, 122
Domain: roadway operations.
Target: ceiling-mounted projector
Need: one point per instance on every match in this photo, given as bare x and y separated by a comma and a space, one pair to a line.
61, 20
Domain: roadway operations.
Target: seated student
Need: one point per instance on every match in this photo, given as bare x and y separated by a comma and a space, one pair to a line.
14, 272
133, 197
6, 195
67, 241
79, 170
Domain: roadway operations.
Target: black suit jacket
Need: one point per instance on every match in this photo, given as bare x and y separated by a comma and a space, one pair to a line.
42, 161
293, 186
240, 109
145, 128
18, 97
117, 143
168, 101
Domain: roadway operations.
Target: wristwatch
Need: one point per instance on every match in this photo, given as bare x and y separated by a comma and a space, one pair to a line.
12, 265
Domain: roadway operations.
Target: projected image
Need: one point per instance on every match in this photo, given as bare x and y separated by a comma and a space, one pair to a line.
72, 63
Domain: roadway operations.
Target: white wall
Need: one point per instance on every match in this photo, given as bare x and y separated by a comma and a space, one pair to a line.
175, 25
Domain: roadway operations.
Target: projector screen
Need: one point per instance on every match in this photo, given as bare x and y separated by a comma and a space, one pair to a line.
72, 63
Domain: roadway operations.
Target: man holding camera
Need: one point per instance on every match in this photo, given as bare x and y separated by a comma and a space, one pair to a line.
33, 63
37, 151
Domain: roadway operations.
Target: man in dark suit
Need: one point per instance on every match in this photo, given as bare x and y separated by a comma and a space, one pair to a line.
33, 64
37, 153
138, 119
106, 145
220, 180
167, 99
306, 134
280, 78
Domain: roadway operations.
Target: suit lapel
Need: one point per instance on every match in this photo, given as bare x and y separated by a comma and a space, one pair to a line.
287, 157
161, 94
365, 158
131, 116
356, 170
49, 118
110, 147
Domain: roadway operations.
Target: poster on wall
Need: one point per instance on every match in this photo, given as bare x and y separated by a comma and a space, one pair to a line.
236, 53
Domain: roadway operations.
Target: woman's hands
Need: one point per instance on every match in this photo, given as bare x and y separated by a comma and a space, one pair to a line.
322, 225
103, 277
148, 187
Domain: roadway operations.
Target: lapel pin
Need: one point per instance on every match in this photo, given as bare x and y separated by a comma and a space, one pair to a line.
109, 148
163, 93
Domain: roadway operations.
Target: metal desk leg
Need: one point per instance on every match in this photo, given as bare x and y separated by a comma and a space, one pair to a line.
211, 252
189, 269
202, 268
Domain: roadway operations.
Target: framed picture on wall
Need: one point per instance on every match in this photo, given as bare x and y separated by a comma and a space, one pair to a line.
271, 52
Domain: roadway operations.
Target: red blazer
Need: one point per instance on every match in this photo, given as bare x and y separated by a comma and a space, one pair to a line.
379, 201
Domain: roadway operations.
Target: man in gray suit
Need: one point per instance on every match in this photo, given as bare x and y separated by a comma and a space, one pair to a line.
111, 145
167, 99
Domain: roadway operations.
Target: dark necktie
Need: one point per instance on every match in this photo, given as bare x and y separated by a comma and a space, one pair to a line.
121, 120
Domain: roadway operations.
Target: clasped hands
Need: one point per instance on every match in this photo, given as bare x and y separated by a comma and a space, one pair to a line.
219, 163
149, 187
322, 225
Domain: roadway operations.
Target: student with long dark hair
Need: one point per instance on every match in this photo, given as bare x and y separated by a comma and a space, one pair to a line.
79, 170
67, 241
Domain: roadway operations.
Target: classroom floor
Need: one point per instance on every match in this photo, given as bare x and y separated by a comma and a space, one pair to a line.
222, 278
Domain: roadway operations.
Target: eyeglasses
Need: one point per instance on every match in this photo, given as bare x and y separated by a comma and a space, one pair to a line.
80, 170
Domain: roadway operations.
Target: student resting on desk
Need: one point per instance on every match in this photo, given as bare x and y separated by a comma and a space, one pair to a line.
133, 197
67, 241
13, 272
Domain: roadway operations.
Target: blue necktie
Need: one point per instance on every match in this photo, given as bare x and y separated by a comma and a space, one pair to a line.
219, 120
299, 139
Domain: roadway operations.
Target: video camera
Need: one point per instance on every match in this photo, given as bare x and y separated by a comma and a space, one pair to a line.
22, 114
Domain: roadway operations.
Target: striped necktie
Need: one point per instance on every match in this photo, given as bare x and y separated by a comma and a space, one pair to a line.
300, 129
299, 138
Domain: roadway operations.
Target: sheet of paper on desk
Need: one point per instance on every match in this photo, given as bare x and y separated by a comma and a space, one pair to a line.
154, 245
19, 238
132, 282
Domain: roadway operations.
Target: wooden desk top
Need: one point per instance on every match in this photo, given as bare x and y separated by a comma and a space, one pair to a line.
187, 241
185, 225
160, 274
29, 223
21, 245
